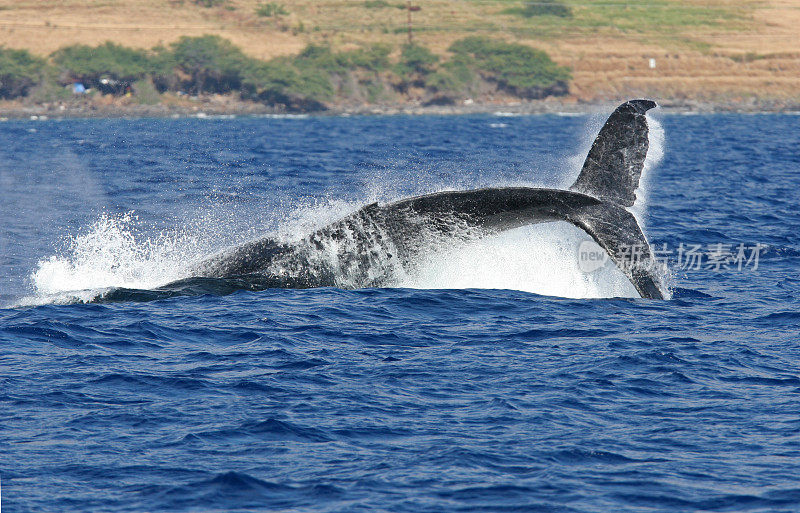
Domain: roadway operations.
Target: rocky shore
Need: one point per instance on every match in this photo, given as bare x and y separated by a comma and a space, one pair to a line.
217, 105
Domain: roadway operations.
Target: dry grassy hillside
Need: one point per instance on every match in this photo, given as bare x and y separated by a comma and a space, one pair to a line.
703, 50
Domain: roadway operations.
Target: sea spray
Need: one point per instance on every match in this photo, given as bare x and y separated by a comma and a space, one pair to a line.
117, 252
113, 252
655, 154
539, 258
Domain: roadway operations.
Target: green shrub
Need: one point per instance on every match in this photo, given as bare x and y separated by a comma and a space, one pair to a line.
541, 8
305, 82
376, 91
382, 4
210, 3
280, 83
163, 66
48, 88
320, 58
373, 58
519, 69
314, 76
146, 92
416, 59
92, 64
213, 64
19, 72
416, 63
747, 57
455, 77
271, 9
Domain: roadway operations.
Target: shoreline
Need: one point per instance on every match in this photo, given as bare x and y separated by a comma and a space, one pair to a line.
212, 107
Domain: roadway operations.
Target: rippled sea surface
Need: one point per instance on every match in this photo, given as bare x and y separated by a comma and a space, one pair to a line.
499, 379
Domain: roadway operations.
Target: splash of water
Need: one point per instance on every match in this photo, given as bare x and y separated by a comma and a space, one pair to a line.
112, 254
655, 155
115, 253
539, 258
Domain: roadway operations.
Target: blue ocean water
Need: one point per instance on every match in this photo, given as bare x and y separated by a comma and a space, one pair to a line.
451, 392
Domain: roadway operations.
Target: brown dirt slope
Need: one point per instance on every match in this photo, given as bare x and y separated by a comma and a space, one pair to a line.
703, 50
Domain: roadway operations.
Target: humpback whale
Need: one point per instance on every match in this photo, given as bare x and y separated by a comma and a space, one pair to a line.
369, 247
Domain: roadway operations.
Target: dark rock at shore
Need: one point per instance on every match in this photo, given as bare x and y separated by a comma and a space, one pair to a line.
232, 107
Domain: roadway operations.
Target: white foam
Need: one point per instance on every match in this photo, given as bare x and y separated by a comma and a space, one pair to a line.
540, 258
112, 254
655, 154
115, 253
299, 221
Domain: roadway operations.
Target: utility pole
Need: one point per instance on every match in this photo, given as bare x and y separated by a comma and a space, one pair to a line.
409, 9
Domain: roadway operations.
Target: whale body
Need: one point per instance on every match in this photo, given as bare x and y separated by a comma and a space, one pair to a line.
369, 247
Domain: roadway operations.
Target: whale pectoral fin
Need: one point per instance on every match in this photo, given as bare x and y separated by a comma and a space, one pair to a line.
614, 165
617, 232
